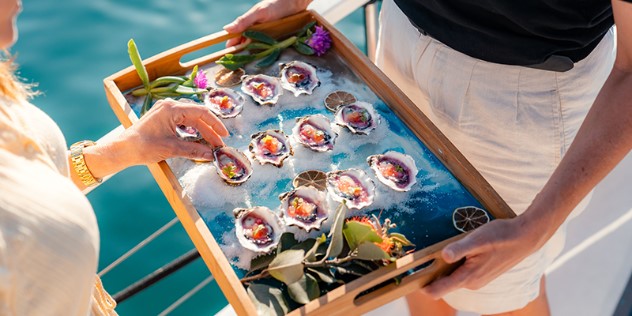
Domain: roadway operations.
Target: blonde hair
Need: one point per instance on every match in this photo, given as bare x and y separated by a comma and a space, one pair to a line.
11, 87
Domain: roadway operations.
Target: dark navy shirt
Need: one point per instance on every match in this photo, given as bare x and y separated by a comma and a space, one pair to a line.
515, 32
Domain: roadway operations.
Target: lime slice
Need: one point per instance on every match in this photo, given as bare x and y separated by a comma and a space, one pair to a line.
228, 78
337, 99
314, 178
468, 218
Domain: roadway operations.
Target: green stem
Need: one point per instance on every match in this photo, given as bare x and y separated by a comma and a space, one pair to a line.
262, 275
280, 45
326, 263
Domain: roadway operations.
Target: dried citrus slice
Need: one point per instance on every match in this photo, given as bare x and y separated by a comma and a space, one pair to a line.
228, 78
315, 178
338, 98
468, 218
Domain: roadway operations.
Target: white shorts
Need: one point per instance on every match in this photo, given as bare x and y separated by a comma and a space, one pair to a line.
512, 123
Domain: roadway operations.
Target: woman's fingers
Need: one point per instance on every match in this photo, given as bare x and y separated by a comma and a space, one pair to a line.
201, 118
193, 150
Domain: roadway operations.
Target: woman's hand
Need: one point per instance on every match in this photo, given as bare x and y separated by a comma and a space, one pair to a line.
264, 11
489, 251
153, 138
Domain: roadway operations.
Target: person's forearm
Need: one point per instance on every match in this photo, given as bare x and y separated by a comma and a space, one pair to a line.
102, 159
604, 139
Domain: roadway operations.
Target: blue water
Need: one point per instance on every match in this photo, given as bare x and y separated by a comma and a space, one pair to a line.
68, 47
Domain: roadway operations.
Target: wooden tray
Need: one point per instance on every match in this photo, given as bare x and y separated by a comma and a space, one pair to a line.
350, 297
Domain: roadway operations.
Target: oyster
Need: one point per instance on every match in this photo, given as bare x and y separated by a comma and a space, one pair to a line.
188, 133
271, 146
228, 78
265, 90
398, 171
224, 102
353, 186
305, 207
358, 117
258, 229
315, 132
232, 165
299, 78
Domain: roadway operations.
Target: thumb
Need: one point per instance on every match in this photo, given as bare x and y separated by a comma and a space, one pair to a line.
459, 249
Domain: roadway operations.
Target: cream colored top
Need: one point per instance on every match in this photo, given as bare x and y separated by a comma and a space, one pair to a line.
49, 238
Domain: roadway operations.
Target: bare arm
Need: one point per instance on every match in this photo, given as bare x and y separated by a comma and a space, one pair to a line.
153, 139
603, 140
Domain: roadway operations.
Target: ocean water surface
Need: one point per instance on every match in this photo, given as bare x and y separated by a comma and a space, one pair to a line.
68, 47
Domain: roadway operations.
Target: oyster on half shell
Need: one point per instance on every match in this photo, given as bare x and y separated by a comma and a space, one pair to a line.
232, 165
224, 102
396, 170
299, 77
271, 146
353, 186
258, 228
315, 132
359, 117
305, 207
265, 90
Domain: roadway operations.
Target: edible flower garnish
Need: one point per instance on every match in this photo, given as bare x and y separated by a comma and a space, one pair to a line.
320, 41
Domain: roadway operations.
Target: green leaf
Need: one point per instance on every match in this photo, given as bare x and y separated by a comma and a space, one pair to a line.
304, 29
357, 233
322, 273
336, 243
287, 267
261, 262
234, 62
193, 72
303, 48
304, 290
146, 105
286, 242
259, 36
134, 56
170, 88
311, 254
189, 90
166, 80
270, 59
371, 251
305, 245
258, 46
268, 300
401, 239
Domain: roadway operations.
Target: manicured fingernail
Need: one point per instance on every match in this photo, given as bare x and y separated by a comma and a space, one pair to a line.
208, 155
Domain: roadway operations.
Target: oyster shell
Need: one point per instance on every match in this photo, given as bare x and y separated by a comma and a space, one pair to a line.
305, 207
358, 117
228, 78
353, 186
396, 170
265, 90
299, 77
315, 132
232, 165
258, 228
271, 146
224, 102
188, 133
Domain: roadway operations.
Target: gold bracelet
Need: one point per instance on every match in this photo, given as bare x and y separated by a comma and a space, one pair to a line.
79, 163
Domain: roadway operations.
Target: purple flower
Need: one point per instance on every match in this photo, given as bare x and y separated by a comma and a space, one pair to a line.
200, 80
320, 41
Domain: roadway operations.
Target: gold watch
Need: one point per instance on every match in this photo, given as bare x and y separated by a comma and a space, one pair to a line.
79, 164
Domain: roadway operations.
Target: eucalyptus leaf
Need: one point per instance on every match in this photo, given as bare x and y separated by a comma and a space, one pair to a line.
401, 239
270, 59
287, 241
357, 233
371, 251
287, 267
305, 245
268, 300
303, 48
304, 29
304, 290
336, 243
134, 56
261, 262
310, 255
259, 36
322, 273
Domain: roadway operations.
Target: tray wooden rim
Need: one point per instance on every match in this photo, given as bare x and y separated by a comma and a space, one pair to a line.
344, 298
